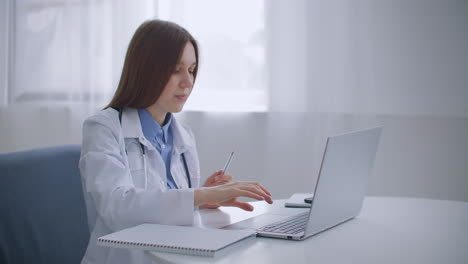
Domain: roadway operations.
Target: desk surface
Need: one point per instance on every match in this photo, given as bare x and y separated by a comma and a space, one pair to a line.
388, 230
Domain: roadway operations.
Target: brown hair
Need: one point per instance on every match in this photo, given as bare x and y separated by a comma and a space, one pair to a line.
152, 55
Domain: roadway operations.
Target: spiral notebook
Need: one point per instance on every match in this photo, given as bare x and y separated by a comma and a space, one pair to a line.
175, 239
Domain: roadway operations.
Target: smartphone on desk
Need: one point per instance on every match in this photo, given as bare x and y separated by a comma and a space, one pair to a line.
308, 200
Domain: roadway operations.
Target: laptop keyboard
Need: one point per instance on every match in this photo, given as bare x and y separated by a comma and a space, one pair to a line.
292, 225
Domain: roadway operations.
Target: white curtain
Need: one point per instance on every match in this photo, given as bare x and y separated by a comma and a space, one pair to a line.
71, 51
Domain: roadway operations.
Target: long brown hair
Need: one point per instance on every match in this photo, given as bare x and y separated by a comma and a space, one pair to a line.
152, 55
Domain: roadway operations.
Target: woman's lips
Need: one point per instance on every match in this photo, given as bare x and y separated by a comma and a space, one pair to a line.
181, 97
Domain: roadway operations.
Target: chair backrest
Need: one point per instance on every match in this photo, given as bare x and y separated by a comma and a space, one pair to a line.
43, 215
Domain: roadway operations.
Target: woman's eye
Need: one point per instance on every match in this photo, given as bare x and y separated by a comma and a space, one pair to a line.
180, 70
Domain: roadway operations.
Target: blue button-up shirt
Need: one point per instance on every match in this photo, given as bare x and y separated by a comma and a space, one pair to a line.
160, 138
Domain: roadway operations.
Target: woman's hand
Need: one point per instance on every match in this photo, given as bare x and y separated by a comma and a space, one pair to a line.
217, 178
227, 194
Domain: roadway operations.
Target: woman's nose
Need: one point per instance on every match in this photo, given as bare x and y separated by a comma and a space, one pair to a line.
187, 80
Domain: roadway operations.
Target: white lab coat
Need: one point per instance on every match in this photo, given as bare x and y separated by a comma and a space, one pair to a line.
124, 187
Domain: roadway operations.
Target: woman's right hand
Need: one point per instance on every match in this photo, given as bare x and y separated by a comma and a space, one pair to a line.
227, 194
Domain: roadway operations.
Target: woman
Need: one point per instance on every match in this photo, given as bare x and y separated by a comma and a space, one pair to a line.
138, 163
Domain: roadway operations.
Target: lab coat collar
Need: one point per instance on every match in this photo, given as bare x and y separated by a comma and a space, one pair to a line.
131, 128
182, 139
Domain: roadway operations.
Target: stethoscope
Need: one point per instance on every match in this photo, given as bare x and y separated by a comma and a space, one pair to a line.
189, 181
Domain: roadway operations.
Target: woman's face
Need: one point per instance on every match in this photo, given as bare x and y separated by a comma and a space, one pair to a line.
179, 86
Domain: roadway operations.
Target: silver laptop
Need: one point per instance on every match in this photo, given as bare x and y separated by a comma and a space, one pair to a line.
339, 192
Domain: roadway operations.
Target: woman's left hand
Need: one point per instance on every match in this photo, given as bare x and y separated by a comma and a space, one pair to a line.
217, 178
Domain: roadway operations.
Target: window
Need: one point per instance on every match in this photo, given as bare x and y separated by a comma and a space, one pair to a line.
231, 35
73, 50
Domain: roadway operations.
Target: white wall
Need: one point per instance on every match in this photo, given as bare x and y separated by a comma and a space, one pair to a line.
398, 57
400, 64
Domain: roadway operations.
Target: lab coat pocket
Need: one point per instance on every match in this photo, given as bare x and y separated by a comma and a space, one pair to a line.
137, 169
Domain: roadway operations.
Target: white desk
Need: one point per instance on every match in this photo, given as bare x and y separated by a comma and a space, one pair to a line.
388, 230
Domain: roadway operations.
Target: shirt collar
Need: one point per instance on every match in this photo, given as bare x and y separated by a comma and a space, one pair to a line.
151, 128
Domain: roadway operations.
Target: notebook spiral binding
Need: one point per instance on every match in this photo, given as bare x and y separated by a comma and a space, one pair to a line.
156, 247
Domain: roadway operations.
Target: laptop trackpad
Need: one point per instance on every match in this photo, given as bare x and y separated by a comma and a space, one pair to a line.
256, 222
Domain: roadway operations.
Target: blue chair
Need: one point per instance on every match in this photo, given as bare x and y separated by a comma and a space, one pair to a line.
43, 214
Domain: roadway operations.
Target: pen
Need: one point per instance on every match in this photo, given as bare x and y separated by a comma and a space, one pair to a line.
228, 162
